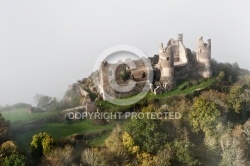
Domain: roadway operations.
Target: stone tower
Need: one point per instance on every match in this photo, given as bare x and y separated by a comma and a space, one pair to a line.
203, 55
166, 65
180, 37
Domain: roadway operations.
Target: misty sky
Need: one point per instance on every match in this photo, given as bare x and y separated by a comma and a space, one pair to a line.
46, 45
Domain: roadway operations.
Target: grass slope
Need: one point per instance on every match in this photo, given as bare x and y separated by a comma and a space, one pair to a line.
60, 130
19, 116
175, 92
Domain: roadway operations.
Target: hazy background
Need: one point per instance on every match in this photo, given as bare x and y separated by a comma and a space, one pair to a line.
46, 45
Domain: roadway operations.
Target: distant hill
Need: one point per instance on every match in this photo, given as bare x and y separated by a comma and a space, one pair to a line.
15, 106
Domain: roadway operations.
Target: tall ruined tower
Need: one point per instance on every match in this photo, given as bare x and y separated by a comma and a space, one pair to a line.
166, 65
203, 55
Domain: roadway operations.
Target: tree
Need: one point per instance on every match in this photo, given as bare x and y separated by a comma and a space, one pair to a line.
45, 102
233, 152
203, 115
182, 154
222, 75
163, 157
116, 151
8, 148
10, 154
146, 133
128, 143
92, 157
246, 130
234, 98
220, 99
114, 141
59, 156
14, 160
42, 143
4, 126
145, 159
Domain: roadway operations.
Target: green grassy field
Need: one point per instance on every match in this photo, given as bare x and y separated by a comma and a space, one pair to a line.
57, 130
60, 130
19, 116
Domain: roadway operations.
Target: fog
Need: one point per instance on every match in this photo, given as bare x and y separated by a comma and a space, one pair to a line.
46, 45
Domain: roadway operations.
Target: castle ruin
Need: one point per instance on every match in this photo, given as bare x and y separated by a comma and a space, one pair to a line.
173, 62
177, 62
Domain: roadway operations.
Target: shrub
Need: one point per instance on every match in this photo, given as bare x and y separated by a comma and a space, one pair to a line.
14, 160
42, 143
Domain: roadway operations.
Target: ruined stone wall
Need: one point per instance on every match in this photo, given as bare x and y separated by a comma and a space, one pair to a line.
101, 85
175, 50
181, 72
182, 53
138, 71
154, 60
205, 67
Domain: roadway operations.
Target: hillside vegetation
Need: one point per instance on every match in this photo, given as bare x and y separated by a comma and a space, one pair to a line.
214, 128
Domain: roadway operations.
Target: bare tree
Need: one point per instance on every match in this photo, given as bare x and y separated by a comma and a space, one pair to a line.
233, 152
92, 157
59, 156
